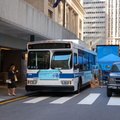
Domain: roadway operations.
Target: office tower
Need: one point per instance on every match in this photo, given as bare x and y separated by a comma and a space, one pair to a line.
113, 22
95, 22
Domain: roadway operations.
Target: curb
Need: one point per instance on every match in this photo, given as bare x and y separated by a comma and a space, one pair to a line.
16, 98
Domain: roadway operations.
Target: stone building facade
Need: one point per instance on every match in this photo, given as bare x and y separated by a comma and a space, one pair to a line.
72, 18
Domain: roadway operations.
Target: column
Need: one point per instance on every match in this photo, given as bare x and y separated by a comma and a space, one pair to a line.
70, 18
77, 25
67, 17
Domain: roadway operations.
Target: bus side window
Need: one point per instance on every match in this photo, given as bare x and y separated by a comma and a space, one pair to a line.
80, 59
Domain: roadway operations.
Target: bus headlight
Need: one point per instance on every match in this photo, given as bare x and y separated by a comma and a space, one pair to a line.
32, 81
65, 82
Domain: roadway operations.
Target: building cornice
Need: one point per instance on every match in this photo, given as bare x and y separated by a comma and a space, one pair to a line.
75, 4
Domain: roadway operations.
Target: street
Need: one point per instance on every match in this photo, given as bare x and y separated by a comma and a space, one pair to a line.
91, 104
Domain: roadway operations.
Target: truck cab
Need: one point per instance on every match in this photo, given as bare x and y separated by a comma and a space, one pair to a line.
114, 79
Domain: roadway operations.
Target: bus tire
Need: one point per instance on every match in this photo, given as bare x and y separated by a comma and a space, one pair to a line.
79, 86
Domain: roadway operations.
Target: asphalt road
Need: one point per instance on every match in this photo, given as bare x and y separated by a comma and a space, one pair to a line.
90, 104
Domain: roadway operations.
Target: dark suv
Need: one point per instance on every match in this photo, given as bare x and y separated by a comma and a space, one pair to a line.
114, 79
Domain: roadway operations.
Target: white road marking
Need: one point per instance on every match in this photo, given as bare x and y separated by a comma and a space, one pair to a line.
90, 99
2, 99
35, 100
114, 101
62, 100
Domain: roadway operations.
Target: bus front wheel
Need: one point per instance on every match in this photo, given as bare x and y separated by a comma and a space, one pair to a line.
78, 87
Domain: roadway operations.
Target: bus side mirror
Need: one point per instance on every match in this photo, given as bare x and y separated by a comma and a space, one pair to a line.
76, 66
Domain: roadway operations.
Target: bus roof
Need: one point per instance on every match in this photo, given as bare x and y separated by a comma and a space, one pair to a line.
75, 42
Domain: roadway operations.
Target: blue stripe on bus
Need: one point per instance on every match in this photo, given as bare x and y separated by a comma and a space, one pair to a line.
70, 75
65, 75
32, 75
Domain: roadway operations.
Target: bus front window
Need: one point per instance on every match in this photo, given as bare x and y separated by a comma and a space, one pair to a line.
62, 60
39, 60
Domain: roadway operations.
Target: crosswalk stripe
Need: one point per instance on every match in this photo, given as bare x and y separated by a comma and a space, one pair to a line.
90, 99
114, 101
62, 100
35, 100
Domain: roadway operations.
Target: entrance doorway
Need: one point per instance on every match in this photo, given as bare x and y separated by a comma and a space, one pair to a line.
8, 57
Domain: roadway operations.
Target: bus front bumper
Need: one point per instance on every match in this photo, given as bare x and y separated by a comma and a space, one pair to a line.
50, 88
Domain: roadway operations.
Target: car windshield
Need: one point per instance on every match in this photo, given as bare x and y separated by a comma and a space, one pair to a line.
115, 68
62, 60
39, 60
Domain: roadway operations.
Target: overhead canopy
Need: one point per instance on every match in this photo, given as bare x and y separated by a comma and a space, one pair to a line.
109, 59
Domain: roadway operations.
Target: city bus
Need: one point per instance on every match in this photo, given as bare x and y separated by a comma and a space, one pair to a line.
58, 66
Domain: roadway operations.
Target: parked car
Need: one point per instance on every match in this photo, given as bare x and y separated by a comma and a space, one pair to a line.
114, 79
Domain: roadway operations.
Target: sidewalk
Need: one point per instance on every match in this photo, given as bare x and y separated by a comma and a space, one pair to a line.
20, 91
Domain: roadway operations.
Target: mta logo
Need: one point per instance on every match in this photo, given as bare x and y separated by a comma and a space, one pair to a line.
55, 75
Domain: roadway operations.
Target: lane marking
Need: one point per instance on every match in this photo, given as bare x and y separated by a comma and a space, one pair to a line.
2, 99
89, 99
62, 100
35, 100
12, 100
114, 101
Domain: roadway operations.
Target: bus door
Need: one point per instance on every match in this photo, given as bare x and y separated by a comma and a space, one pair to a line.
76, 72
75, 62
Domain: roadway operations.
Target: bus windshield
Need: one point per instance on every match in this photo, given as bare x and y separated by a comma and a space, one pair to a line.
62, 60
38, 60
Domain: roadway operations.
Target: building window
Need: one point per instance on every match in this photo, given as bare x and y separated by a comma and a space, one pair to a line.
50, 14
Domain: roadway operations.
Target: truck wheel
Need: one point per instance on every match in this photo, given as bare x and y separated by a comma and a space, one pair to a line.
109, 92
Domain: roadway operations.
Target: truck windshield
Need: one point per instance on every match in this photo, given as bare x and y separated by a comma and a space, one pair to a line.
39, 60
62, 60
115, 68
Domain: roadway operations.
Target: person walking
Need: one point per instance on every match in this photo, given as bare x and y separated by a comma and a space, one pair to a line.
12, 76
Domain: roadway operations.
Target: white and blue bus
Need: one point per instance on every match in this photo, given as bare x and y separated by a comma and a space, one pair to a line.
58, 66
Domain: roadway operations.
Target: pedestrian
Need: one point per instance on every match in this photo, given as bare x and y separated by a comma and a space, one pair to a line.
12, 75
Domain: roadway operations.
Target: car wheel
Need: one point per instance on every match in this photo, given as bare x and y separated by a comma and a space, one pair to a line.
109, 92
